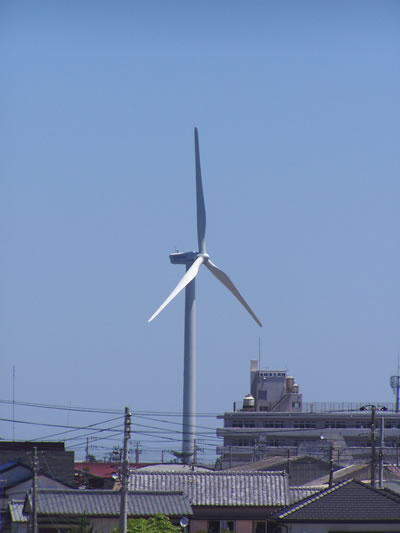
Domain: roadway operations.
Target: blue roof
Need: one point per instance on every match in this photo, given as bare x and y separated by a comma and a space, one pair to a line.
6, 466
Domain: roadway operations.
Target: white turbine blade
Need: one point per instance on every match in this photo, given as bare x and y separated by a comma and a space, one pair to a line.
190, 274
201, 209
226, 280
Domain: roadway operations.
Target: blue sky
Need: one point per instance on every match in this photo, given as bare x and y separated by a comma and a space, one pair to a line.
297, 109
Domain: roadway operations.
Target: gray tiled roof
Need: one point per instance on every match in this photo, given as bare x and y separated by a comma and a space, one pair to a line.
219, 488
16, 511
299, 493
107, 503
348, 501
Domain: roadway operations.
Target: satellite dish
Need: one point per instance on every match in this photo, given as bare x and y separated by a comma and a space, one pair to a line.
184, 521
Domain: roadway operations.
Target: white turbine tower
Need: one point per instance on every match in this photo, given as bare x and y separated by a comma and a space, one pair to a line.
193, 262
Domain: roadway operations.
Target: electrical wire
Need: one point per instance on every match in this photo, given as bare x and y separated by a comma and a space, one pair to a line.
165, 431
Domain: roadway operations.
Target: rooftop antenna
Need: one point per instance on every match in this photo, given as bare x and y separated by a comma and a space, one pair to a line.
259, 352
395, 384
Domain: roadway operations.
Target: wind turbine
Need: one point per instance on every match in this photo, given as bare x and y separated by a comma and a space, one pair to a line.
193, 262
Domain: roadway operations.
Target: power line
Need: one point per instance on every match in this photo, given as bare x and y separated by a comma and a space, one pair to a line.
28, 422
76, 429
65, 407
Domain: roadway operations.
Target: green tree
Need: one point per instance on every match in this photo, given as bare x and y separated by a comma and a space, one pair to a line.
156, 524
180, 456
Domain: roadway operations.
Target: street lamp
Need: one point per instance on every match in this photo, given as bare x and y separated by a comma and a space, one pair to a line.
330, 480
373, 409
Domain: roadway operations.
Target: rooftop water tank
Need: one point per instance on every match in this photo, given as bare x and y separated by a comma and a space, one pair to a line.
248, 402
289, 383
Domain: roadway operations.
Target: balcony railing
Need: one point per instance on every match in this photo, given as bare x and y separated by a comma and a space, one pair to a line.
329, 407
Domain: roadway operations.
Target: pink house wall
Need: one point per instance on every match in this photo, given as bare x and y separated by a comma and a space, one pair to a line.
242, 526
198, 525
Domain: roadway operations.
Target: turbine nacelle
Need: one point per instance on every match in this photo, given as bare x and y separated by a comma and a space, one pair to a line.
185, 258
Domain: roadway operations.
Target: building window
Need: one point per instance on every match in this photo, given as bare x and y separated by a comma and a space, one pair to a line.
304, 424
237, 424
273, 424
260, 527
243, 442
219, 526
265, 527
296, 405
262, 394
335, 424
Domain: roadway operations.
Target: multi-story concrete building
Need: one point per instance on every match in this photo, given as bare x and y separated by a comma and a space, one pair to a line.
273, 420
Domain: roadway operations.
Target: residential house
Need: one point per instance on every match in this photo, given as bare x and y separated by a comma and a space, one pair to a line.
238, 501
63, 509
100, 474
54, 460
347, 506
15, 480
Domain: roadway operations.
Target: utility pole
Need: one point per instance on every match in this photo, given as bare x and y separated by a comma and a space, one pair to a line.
123, 519
330, 481
34, 491
138, 451
373, 446
196, 450
373, 409
381, 444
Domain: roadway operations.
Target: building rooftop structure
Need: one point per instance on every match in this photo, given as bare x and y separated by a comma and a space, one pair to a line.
273, 420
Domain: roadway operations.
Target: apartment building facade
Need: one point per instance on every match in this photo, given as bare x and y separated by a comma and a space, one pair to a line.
273, 420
